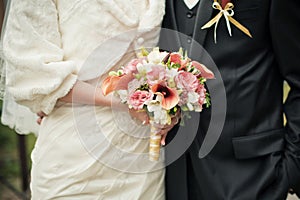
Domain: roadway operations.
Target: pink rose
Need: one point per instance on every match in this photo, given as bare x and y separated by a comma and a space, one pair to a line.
202, 94
175, 58
187, 81
131, 66
138, 99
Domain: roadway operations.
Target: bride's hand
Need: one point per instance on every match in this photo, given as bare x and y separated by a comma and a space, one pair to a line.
139, 115
164, 131
143, 117
41, 115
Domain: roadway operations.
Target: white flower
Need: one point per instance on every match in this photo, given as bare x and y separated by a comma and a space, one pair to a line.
171, 73
156, 57
171, 83
155, 104
193, 97
160, 115
143, 69
198, 108
190, 106
123, 94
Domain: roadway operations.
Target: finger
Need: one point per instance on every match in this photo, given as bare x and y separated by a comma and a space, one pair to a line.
146, 122
170, 126
141, 116
41, 114
178, 112
39, 121
146, 119
163, 140
177, 116
175, 120
165, 131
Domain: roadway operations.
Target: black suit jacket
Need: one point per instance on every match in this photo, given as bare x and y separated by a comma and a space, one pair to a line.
256, 157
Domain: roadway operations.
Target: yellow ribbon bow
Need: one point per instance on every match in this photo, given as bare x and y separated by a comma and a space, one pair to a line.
227, 12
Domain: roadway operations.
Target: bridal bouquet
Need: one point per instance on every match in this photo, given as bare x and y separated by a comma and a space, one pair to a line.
160, 83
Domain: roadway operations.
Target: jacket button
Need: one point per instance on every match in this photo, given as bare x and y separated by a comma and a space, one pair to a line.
189, 14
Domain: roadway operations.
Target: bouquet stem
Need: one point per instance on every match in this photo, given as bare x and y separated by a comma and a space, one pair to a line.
154, 146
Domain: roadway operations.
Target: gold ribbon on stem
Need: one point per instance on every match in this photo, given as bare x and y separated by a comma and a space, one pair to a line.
227, 12
154, 143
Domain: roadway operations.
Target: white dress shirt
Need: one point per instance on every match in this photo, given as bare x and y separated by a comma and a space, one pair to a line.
191, 3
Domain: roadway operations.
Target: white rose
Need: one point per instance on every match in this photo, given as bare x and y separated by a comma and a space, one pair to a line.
156, 56
193, 97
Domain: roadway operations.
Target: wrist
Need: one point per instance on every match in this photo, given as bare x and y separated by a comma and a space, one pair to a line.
100, 99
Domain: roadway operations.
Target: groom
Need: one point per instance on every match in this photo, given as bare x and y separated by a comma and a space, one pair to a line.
256, 156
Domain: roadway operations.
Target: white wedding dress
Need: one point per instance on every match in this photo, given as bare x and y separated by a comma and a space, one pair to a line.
82, 151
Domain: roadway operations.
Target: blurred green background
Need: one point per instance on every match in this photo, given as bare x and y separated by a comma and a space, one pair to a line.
10, 167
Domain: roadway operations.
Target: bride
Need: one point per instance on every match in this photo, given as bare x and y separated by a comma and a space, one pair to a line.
56, 53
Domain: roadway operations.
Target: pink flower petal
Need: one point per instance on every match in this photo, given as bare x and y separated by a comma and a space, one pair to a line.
123, 82
109, 84
169, 96
113, 83
205, 72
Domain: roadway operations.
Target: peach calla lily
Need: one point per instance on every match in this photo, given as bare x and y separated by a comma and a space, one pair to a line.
113, 83
169, 96
205, 72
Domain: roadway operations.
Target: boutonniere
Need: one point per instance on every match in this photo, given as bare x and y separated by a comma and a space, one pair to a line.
226, 9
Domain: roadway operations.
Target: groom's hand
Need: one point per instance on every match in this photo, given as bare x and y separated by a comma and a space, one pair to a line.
164, 131
143, 117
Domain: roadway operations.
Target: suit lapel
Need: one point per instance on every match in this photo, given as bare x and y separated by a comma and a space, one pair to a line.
204, 14
173, 17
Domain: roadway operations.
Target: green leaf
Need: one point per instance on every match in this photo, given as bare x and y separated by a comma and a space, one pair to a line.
113, 73
144, 51
144, 87
207, 98
176, 66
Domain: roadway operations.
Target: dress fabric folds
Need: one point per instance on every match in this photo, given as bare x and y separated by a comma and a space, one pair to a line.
82, 152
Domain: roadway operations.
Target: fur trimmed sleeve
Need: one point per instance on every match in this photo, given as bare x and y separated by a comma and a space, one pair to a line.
37, 75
